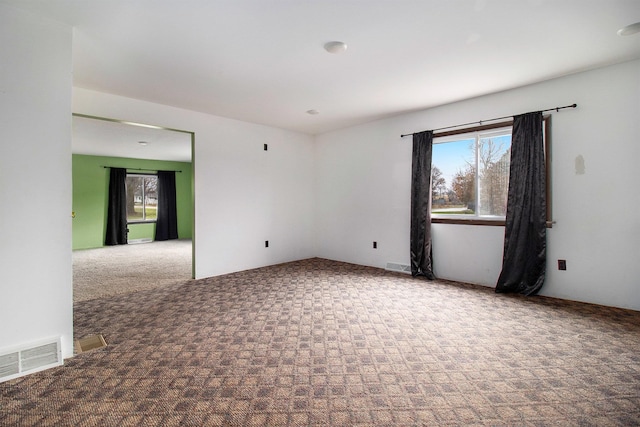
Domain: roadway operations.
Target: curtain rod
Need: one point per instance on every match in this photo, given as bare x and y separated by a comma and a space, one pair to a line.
137, 169
491, 120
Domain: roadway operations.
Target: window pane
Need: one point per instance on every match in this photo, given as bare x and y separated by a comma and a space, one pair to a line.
453, 173
142, 197
151, 197
135, 205
493, 162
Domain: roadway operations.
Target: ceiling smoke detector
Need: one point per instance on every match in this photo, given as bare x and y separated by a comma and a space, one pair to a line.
335, 47
629, 29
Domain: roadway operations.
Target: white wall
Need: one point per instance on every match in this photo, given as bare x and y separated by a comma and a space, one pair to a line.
35, 180
363, 186
243, 194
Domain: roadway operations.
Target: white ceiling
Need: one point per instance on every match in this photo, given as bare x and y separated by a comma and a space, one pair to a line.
263, 61
97, 137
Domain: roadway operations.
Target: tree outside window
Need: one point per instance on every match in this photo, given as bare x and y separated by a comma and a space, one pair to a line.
470, 175
142, 197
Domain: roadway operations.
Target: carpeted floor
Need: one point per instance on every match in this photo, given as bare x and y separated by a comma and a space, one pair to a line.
324, 343
115, 270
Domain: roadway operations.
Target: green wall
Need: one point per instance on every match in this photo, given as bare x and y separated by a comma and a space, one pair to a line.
90, 189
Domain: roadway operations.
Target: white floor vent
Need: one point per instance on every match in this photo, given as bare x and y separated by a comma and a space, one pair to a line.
400, 268
31, 358
138, 241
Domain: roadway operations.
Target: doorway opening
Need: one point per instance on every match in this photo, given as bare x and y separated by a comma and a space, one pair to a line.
99, 144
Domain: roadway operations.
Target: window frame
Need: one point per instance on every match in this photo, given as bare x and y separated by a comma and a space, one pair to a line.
142, 221
476, 220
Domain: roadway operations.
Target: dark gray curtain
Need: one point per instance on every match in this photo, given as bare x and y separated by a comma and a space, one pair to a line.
167, 220
420, 241
525, 240
117, 208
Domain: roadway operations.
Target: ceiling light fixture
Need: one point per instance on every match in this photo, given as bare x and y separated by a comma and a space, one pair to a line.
313, 112
629, 29
335, 47
142, 142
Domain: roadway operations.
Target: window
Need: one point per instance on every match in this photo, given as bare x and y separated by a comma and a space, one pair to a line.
470, 175
142, 198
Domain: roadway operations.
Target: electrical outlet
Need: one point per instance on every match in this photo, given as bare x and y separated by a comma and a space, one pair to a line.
375, 245
562, 264
266, 147
266, 243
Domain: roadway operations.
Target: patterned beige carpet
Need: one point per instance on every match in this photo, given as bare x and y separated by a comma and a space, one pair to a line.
114, 270
323, 343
